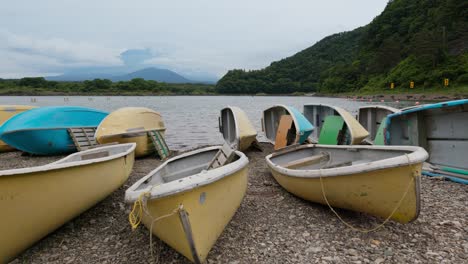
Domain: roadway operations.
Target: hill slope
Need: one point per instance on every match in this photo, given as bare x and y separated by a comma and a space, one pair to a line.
423, 41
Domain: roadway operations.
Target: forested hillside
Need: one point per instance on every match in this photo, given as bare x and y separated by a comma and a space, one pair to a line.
423, 41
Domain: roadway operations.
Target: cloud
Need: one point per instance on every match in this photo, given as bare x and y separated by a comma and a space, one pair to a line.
25, 55
135, 57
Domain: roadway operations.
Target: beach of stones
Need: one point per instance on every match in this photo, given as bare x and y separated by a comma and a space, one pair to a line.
270, 226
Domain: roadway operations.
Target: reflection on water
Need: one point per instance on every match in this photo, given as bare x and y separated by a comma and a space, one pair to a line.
190, 120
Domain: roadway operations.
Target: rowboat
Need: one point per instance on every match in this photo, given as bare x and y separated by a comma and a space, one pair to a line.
371, 117
440, 128
318, 113
36, 201
299, 130
131, 124
6, 112
378, 180
236, 128
43, 131
188, 206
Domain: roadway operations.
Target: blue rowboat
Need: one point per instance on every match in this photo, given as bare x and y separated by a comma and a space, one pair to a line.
440, 128
270, 122
43, 131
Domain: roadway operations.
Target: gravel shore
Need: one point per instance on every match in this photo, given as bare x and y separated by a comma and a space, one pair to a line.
271, 226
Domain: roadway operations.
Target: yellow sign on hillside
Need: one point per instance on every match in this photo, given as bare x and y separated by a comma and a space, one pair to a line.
446, 82
392, 85
411, 85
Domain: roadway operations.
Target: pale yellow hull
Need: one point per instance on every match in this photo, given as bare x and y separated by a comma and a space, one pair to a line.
6, 112
209, 208
375, 192
130, 125
358, 132
34, 204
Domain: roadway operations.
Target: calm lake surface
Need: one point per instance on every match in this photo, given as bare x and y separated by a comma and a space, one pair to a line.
191, 121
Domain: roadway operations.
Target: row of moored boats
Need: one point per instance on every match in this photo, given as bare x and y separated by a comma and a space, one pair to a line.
370, 164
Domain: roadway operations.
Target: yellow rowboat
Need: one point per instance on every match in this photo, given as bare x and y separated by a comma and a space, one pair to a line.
131, 124
236, 128
187, 206
371, 117
6, 112
316, 114
36, 201
378, 180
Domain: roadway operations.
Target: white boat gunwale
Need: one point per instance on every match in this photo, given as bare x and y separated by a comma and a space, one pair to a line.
62, 164
339, 110
417, 155
190, 182
236, 122
296, 124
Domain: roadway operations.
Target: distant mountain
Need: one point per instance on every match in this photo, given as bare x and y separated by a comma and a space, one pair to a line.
155, 74
419, 41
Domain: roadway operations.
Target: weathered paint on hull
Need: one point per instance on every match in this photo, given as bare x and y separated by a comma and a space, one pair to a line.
35, 204
376, 192
210, 208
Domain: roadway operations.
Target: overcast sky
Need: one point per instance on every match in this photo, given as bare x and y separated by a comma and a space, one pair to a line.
49, 37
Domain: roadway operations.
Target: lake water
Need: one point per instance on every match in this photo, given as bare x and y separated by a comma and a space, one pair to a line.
191, 121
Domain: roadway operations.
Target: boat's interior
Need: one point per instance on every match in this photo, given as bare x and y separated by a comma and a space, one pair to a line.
181, 168
96, 153
443, 132
371, 118
271, 121
227, 126
316, 115
314, 158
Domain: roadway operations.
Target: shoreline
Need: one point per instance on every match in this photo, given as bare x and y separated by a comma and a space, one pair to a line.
271, 226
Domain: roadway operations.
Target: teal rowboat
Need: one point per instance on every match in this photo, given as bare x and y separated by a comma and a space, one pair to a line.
301, 127
43, 131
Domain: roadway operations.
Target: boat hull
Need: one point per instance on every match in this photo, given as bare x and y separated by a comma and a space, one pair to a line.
6, 112
371, 117
236, 128
271, 118
440, 128
131, 124
36, 203
316, 114
210, 208
375, 193
380, 181
43, 131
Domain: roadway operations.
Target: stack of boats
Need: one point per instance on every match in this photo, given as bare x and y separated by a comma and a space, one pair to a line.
370, 164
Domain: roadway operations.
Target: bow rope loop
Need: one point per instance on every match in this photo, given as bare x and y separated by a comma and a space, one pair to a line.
414, 175
136, 214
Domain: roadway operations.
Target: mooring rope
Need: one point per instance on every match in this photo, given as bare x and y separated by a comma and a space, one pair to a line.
363, 230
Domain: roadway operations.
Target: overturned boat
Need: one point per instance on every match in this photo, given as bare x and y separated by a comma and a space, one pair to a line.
36, 201
187, 201
348, 128
6, 112
372, 118
298, 128
131, 124
236, 128
45, 130
440, 128
378, 180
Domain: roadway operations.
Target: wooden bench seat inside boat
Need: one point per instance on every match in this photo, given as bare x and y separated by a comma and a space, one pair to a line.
307, 161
